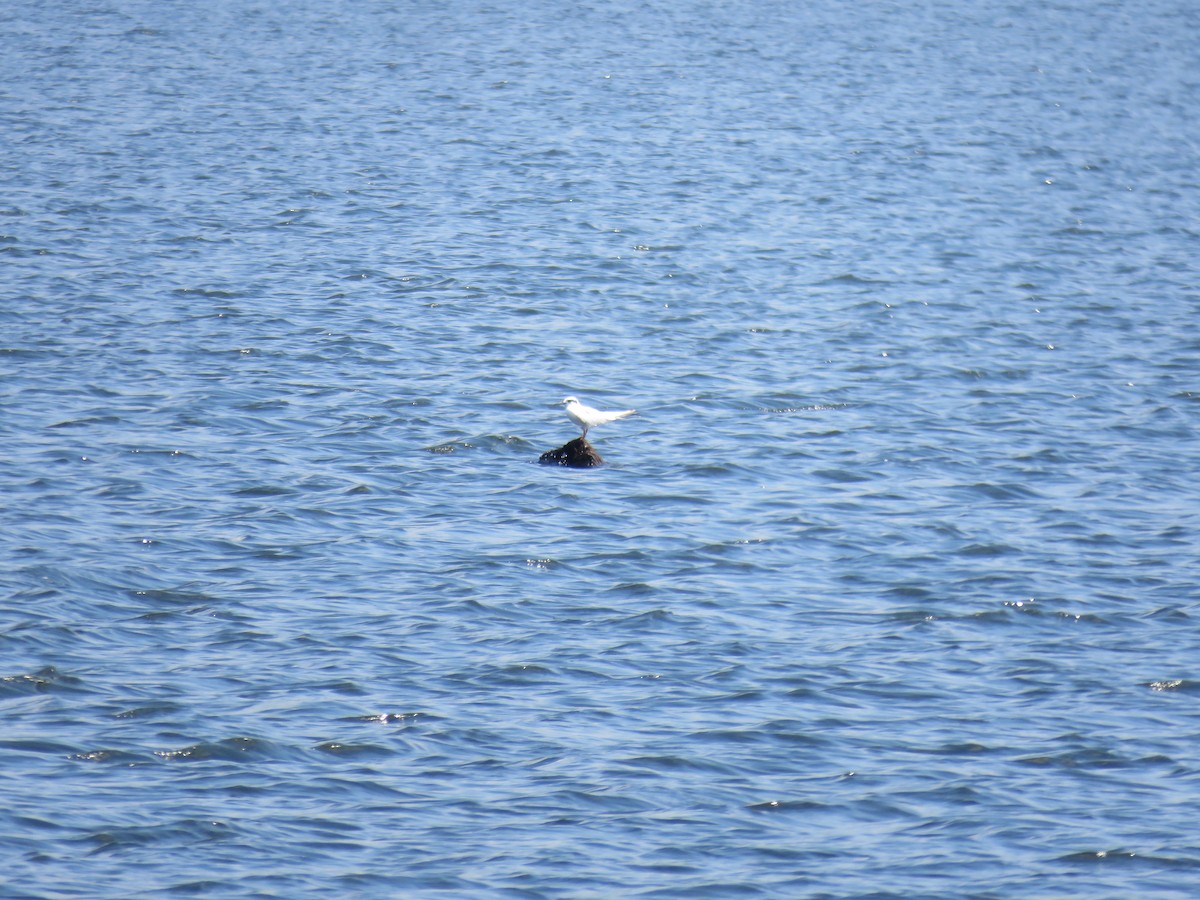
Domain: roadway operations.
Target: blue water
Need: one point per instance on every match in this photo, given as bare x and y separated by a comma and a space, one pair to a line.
891, 589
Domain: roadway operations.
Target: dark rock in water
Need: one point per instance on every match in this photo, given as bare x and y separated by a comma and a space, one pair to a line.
578, 454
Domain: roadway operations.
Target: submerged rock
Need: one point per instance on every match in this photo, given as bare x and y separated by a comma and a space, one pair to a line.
578, 454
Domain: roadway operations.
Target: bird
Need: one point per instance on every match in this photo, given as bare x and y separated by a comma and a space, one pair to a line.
586, 417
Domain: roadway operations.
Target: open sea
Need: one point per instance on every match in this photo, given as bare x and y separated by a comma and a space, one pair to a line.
891, 589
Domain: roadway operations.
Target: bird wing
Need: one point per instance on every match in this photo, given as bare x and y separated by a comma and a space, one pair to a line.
613, 415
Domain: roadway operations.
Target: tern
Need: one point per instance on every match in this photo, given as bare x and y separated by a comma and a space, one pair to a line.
586, 417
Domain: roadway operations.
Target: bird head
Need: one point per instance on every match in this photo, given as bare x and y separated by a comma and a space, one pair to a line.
567, 400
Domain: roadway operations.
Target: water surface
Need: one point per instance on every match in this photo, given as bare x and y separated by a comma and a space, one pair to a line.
890, 589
